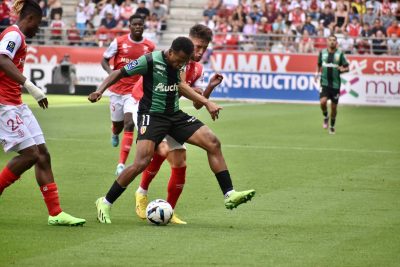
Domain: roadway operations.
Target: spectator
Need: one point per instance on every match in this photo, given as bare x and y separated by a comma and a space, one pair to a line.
142, 10
341, 17
73, 35
250, 28
306, 44
298, 3
111, 7
376, 6
309, 27
109, 22
102, 36
233, 39
393, 29
239, 16
330, 3
256, 14
354, 28
346, 43
89, 9
379, 46
56, 27
297, 16
279, 26
314, 9
320, 41
127, 9
327, 17
363, 43
393, 45
55, 7
208, 22
370, 16
378, 27
210, 11
96, 20
4, 15
161, 13
358, 8
396, 12
89, 37
81, 19
153, 24
387, 18
270, 13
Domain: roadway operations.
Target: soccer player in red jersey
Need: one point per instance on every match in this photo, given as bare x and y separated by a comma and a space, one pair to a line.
172, 150
122, 104
19, 129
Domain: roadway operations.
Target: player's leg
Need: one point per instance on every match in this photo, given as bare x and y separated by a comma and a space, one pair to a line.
44, 175
324, 107
143, 155
148, 174
117, 118
130, 106
177, 160
207, 140
334, 105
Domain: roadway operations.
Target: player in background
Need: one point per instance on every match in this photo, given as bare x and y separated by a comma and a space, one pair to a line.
19, 129
201, 36
331, 63
159, 115
122, 105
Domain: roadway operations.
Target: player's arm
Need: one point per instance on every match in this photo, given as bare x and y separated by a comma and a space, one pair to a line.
8, 67
105, 63
344, 65
188, 92
108, 54
215, 80
319, 67
135, 67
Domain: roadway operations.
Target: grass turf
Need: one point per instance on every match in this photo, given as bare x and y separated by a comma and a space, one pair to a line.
321, 200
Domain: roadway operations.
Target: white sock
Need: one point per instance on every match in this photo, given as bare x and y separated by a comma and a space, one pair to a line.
141, 191
105, 201
229, 193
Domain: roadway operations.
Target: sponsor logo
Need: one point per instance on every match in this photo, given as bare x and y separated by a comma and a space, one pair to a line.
125, 46
329, 65
21, 133
10, 46
159, 67
131, 65
166, 88
192, 119
143, 130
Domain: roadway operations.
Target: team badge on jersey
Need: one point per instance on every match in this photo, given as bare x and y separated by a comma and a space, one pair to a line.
143, 130
131, 65
10, 46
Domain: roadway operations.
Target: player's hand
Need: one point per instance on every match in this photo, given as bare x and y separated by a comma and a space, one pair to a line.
216, 79
316, 77
213, 109
43, 103
95, 96
341, 69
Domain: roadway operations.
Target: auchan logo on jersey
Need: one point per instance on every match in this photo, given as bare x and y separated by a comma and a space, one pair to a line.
166, 88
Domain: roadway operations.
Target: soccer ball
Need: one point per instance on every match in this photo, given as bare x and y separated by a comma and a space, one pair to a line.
159, 212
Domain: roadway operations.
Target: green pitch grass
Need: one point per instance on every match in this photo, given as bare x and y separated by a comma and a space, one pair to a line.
321, 200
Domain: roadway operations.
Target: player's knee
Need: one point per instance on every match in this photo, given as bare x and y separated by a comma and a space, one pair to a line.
214, 143
143, 162
31, 156
44, 155
129, 126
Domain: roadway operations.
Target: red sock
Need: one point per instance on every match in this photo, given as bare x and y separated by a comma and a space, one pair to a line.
7, 177
126, 144
151, 171
50, 195
175, 185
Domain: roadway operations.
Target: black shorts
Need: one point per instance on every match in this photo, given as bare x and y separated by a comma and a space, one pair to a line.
330, 93
155, 126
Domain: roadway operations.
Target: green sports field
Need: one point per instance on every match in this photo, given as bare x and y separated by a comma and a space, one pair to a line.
321, 200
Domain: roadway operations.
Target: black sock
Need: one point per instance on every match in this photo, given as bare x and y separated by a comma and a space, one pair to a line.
325, 113
224, 181
115, 191
333, 120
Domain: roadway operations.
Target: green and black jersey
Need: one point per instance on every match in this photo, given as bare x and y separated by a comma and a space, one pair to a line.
330, 76
160, 83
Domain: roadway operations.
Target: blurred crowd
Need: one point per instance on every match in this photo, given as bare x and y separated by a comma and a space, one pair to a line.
286, 26
97, 22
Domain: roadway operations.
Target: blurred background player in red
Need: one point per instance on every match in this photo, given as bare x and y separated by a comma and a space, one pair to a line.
122, 105
201, 36
19, 129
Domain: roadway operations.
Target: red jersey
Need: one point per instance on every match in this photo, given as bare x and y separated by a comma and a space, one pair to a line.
12, 44
194, 78
123, 49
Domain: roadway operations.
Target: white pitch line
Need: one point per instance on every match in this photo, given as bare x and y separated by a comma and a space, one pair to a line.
311, 149
253, 146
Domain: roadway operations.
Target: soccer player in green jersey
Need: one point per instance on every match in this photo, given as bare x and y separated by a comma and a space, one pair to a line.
159, 115
331, 63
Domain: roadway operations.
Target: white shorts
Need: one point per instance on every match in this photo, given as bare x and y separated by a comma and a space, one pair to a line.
19, 128
121, 104
173, 144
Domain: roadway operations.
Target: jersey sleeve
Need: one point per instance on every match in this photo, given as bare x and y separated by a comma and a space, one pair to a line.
10, 44
199, 82
136, 67
320, 59
111, 50
343, 60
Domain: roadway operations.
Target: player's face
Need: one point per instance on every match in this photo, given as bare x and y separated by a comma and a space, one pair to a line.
33, 25
200, 46
332, 42
136, 27
177, 59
